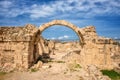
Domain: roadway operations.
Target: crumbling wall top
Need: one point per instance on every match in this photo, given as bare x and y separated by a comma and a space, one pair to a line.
23, 33
89, 32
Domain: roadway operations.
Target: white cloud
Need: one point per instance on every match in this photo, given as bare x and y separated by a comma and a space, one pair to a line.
116, 38
37, 11
78, 8
60, 37
63, 37
53, 38
5, 4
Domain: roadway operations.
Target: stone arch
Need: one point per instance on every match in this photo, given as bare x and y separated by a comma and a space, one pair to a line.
63, 23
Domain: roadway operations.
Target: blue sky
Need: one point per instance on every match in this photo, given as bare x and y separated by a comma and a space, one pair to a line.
103, 14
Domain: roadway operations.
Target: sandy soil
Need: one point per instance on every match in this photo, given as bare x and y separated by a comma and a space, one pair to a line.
56, 71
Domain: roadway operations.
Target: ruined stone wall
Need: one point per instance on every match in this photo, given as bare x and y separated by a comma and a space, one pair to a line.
97, 50
17, 47
20, 47
14, 54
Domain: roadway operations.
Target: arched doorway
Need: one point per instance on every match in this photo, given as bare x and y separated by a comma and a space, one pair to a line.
63, 23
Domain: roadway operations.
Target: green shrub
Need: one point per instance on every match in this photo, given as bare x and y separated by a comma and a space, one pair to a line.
77, 65
74, 66
56, 61
3, 73
60, 61
34, 70
112, 74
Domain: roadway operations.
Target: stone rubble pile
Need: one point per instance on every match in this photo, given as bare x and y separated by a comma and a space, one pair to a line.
92, 73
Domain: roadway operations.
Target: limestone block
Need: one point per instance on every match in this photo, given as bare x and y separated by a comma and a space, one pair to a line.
1, 39
38, 65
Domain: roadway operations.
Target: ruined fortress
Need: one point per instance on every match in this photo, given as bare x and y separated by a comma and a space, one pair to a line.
20, 47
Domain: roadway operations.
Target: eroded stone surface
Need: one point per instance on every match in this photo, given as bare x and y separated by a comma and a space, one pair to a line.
20, 47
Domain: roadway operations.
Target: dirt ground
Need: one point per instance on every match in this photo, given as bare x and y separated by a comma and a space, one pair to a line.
50, 71
57, 69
